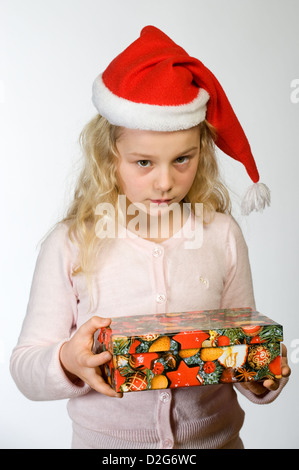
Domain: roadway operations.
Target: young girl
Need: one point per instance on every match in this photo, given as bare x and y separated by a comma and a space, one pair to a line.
150, 151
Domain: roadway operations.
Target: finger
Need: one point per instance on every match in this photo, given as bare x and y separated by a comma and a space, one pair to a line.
285, 371
95, 360
255, 387
89, 328
116, 394
284, 355
271, 384
97, 382
284, 351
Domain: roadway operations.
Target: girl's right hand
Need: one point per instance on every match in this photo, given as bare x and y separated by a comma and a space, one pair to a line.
78, 361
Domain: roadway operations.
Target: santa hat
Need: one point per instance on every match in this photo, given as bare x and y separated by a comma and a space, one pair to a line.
155, 85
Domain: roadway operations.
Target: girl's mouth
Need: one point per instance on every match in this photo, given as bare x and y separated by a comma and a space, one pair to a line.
160, 201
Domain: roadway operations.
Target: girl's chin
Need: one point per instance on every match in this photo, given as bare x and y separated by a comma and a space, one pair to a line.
164, 209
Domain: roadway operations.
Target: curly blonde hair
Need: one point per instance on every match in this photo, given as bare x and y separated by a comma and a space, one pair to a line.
98, 183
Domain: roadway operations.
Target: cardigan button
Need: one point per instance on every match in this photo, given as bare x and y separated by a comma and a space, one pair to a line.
167, 444
157, 251
165, 397
160, 298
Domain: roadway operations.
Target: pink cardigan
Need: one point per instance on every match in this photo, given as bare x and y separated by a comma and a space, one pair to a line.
136, 276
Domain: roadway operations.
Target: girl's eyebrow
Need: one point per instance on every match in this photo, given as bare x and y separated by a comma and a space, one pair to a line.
146, 156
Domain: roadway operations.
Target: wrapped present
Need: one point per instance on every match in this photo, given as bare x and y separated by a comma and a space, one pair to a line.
195, 348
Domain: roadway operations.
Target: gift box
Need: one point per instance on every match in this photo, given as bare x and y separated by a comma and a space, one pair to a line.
195, 348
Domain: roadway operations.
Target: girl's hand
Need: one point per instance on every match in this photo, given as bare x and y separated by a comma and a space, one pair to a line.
259, 388
78, 361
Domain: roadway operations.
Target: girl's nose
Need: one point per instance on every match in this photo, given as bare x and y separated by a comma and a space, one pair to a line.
164, 181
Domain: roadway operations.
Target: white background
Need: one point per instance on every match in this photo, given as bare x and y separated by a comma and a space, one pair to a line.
53, 50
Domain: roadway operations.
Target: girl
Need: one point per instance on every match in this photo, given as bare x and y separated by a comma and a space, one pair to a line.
152, 143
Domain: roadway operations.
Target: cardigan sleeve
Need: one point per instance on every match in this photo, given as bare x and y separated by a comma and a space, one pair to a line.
238, 293
48, 324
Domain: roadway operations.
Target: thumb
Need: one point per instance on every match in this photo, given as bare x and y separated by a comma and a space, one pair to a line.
88, 329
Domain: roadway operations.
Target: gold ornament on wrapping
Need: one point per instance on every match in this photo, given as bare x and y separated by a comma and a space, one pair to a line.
259, 357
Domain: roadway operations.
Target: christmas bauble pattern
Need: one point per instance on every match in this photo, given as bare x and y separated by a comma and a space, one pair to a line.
259, 357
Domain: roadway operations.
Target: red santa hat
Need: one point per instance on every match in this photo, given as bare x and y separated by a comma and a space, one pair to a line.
155, 85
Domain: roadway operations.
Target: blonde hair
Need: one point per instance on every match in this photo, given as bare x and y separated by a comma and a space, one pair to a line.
98, 183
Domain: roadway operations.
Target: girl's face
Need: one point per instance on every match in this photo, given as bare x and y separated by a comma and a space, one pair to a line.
157, 168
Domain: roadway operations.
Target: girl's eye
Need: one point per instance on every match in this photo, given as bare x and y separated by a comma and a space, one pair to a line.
181, 160
143, 163
147, 163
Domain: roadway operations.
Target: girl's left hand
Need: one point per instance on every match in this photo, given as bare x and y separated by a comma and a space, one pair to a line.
259, 388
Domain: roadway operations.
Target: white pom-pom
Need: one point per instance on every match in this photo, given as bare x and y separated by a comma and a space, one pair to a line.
256, 198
